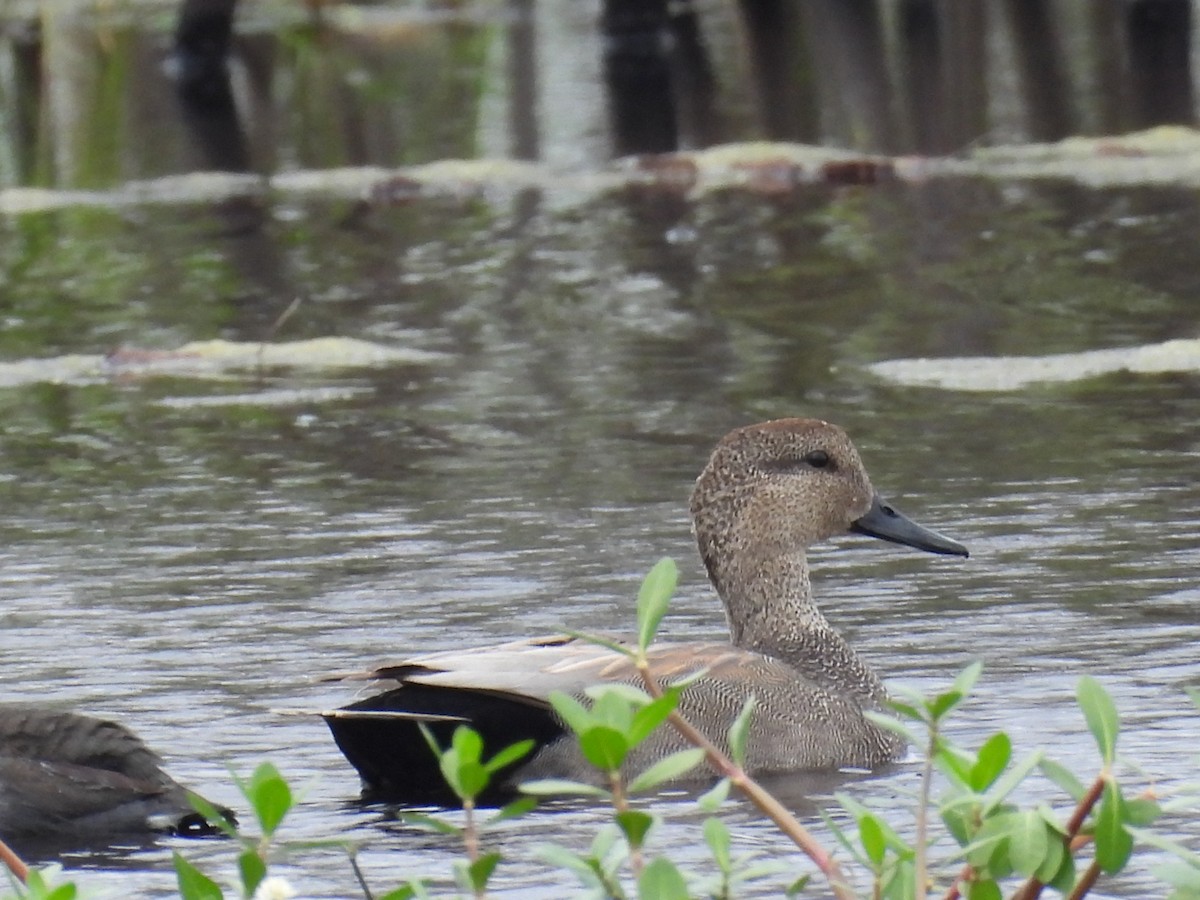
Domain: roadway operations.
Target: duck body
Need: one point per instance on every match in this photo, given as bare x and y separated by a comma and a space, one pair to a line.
769, 491
67, 774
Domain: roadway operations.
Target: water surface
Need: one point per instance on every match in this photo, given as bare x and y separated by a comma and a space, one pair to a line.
190, 564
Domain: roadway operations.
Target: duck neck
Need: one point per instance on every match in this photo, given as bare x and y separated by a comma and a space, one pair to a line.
770, 608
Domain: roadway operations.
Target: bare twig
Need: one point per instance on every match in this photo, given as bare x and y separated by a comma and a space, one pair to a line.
358, 874
273, 330
1085, 884
15, 864
755, 793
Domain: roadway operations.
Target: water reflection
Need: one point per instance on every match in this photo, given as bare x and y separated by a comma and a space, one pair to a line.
190, 567
92, 95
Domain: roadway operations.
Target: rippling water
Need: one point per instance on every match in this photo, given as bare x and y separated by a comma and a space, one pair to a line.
192, 569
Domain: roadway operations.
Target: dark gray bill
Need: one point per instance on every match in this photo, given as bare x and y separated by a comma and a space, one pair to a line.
885, 521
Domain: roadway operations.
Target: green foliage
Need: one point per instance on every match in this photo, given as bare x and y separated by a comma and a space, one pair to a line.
469, 775
1114, 844
1101, 715
269, 795
194, 884
998, 843
42, 884
653, 599
997, 839
661, 880
739, 732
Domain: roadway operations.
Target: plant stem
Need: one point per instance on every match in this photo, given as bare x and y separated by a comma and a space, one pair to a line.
1032, 888
952, 892
1085, 884
921, 875
15, 864
470, 831
358, 873
1084, 807
620, 801
755, 793
470, 834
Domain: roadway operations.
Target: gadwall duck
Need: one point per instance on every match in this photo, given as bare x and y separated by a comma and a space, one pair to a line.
66, 774
769, 491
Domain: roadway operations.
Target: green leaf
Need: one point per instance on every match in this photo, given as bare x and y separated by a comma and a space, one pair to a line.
667, 769
428, 823
1141, 811
890, 723
1113, 841
984, 889
562, 858
1063, 777
653, 599
514, 810
269, 795
1153, 839
956, 764
1182, 877
901, 883
611, 709
66, 891
609, 848
430, 740
964, 682
739, 731
252, 870
716, 835
851, 846
993, 757
604, 747
635, 695
212, 815
798, 886
660, 880
561, 787
448, 763
991, 842
509, 755
1063, 880
1052, 862
651, 716
635, 825
710, 801
194, 884
942, 704
1007, 783
957, 820
907, 710
572, 712
472, 779
1194, 693
1050, 817
870, 834
467, 743
682, 682
480, 871
404, 892
1101, 716
1028, 842
617, 646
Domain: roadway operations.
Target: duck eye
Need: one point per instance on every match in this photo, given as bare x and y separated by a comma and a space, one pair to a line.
818, 459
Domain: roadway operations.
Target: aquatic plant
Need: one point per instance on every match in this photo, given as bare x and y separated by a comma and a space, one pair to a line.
988, 844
